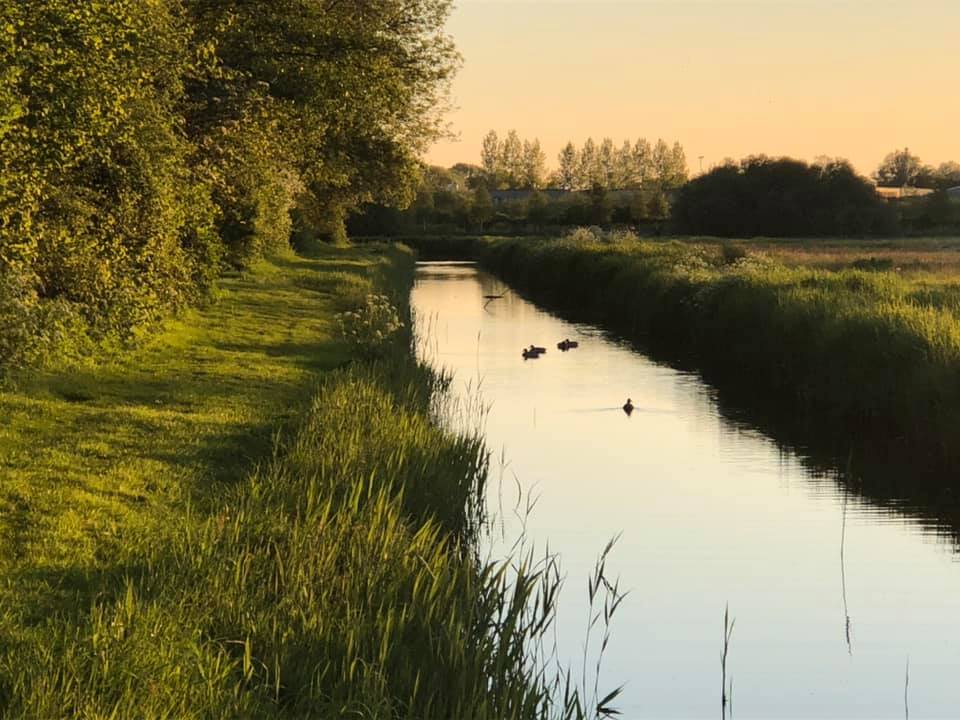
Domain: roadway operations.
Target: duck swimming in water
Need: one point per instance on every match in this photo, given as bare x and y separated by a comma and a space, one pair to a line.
567, 344
628, 406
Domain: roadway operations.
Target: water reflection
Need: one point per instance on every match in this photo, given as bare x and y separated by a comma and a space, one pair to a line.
712, 511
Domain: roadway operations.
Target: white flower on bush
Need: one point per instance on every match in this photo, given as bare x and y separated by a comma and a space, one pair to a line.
369, 328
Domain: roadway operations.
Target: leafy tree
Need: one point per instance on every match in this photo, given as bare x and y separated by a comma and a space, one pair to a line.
511, 160
359, 88
606, 160
538, 209
589, 172
567, 174
642, 163
677, 175
534, 165
600, 205
424, 207
898, 169
142, 143
113, 218
490, 155
481, 206
781, 198
624, 171
948, 175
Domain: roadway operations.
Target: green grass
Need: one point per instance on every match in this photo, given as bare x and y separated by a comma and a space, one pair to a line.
233, 522
90, 453
864, 355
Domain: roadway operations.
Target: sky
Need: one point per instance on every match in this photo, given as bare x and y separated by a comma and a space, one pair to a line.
726, 78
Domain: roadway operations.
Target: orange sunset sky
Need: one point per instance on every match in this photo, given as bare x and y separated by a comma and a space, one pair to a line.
727, 78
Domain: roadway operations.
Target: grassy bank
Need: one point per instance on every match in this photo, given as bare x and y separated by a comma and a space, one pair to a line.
864, 356
441, 247
200, 530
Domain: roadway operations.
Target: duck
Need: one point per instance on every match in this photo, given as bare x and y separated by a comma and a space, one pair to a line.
628, 406
567, 344
530, 353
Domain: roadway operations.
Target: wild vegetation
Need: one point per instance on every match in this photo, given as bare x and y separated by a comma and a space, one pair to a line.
193, 528
901, 168
762, 196
596, 184
193, 532
868, 353
147, 146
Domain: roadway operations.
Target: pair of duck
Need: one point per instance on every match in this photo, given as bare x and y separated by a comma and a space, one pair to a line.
535, 351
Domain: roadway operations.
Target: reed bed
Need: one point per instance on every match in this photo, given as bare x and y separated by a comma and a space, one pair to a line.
867, 354
341, 578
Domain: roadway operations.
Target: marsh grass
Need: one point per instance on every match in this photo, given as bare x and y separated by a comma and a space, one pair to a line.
869, 354
197, 534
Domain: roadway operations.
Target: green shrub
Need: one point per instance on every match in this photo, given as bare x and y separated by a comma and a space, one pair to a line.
370, 329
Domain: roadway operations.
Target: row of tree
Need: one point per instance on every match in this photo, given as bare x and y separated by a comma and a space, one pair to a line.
515, 164
448, 201
756, 196
628, 167
146, 145
901, 168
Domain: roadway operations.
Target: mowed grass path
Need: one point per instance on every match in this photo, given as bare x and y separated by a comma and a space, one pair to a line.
92, 458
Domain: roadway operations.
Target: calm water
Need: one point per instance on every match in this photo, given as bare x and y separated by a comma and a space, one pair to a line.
710, 513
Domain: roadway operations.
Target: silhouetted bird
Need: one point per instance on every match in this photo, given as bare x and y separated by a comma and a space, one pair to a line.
628, 406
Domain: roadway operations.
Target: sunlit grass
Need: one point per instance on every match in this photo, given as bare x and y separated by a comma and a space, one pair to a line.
869, 353
235, 522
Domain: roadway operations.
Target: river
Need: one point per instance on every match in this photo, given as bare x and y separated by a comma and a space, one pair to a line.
711, 513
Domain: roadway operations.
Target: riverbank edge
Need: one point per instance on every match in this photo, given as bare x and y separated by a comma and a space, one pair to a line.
264, 601
864, 388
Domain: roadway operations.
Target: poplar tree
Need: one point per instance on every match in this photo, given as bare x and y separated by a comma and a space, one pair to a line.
490, 155
568, 171
511, 159
534, 165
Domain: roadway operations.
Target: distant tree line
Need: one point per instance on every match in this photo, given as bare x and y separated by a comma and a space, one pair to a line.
780, 197
593, 185
447, 201
145, 146
901, 168
515, 164
512, 163
645, 185
640, 165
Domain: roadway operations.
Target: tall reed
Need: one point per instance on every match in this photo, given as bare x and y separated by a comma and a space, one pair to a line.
865, 354
339, 579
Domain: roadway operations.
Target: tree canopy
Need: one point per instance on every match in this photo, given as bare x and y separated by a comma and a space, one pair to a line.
145, 144
780, 197
901, 168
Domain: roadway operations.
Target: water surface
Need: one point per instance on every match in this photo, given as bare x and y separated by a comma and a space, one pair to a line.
711, 512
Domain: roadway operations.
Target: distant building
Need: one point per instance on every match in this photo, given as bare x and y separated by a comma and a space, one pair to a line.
500, 197
901, 193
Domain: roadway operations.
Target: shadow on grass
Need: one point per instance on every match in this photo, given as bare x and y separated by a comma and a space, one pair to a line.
177, 421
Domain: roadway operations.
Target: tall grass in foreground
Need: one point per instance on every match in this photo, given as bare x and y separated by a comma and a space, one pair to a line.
339, 580
867, 354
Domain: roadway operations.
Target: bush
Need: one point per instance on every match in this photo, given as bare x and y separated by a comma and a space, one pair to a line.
782, 198
370, 329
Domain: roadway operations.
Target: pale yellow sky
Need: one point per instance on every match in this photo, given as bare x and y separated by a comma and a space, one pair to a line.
727, 78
